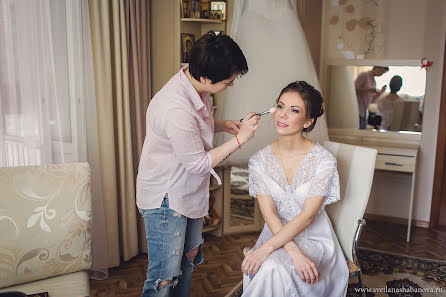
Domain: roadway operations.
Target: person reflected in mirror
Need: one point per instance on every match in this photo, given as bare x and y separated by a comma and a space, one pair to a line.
386, 103
366, 92
293, 179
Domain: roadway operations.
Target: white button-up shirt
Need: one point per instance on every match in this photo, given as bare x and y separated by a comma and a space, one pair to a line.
175, 158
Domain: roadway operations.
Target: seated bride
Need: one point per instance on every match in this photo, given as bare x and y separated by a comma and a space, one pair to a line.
297, 252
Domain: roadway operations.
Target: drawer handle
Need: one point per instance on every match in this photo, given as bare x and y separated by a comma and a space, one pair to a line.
393, 164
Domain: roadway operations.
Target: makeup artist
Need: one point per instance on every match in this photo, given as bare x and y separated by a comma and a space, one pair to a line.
178, 158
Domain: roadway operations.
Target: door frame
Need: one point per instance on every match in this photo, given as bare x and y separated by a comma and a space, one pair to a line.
439, 187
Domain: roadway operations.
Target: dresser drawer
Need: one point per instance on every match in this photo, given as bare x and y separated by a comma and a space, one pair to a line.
395, 163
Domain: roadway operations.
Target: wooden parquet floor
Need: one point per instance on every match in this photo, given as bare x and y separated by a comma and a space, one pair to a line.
390, 237
220, 271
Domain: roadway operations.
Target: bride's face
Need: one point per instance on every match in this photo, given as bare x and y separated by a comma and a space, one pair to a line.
291, 116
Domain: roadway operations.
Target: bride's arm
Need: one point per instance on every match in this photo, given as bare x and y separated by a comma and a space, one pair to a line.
283, 236
269, 212
287, 233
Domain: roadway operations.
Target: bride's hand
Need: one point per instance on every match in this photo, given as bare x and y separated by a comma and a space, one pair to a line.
306, 268
253, 260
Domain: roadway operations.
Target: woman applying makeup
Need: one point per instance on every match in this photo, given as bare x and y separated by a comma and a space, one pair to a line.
178, 158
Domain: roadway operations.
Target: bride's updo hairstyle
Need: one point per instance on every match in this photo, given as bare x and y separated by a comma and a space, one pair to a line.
312, 98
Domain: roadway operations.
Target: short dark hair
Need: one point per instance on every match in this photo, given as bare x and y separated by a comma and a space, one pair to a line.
395, 83
216, 57
312, 98
381, 67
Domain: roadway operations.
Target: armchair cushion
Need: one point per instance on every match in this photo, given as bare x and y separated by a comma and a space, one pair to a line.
66, 285
45, 222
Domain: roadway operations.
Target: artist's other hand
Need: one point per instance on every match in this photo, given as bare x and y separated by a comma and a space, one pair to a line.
232, 127
383, 89
248, 127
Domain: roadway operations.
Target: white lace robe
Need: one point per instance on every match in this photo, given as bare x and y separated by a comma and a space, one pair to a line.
316, 176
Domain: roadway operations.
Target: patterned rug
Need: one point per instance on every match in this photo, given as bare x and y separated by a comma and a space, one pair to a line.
393, 275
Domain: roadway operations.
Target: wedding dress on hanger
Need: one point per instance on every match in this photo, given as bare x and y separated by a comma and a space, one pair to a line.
271, 37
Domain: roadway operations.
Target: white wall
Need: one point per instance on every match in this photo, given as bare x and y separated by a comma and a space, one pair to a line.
413, 29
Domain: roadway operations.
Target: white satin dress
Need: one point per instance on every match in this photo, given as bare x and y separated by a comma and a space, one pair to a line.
316, 175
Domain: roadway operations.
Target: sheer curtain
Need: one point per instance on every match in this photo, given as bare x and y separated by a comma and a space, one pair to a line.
47, 95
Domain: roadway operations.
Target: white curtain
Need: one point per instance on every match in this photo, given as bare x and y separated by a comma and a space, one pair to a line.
47, 95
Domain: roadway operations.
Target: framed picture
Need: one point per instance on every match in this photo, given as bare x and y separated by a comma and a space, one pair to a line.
187, 42
195, 9
205, 9
185, 9
220, 8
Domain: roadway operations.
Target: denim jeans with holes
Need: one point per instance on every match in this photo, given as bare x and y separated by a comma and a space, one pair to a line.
170, 236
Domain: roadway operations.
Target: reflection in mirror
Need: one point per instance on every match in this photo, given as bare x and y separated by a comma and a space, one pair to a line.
387, 100
242, 206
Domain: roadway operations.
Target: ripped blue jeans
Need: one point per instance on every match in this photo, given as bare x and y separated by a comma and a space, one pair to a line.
170, 236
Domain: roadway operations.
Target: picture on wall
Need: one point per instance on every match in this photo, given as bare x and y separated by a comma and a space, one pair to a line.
187, 42
218, 10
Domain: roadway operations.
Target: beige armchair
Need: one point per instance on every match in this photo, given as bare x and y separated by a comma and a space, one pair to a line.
356, 167
45, 229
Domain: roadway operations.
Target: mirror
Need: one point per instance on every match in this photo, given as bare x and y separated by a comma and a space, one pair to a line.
241, 211
242, 206
399, 107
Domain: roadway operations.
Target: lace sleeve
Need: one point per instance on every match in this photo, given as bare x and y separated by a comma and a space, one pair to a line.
326, 181
257, 185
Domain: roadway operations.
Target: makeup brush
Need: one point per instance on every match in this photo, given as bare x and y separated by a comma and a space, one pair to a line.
271, 110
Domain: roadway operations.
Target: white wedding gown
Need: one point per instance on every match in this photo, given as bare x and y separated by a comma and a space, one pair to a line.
316, 176
274, 44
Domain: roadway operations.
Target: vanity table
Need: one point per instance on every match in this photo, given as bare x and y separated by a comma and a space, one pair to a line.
397, 151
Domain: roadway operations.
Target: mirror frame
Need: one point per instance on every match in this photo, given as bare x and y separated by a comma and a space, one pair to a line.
325, 76
258, 222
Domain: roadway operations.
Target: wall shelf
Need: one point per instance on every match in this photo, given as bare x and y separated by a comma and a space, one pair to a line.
214, 187
205, 21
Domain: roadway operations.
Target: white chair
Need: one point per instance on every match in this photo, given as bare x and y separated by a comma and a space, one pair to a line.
356, 166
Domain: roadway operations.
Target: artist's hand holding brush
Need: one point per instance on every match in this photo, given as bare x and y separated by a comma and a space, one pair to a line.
248, 127
243, 131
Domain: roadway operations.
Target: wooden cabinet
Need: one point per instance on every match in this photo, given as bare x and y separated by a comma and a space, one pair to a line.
216, 193
166, 26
